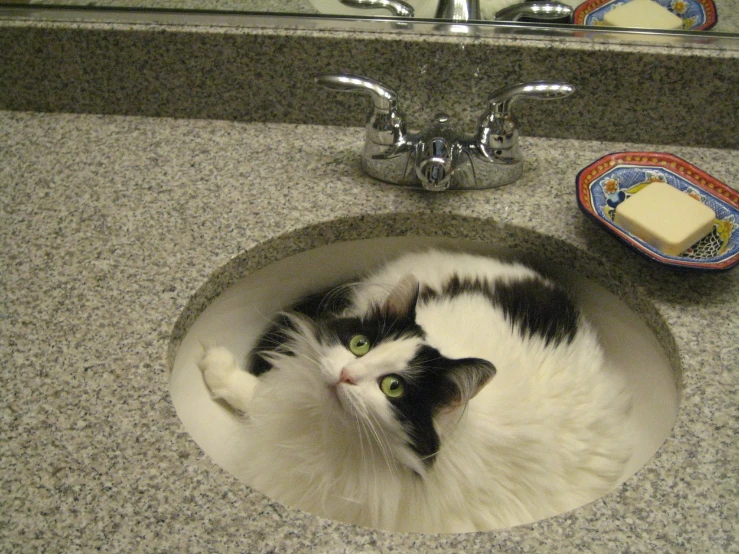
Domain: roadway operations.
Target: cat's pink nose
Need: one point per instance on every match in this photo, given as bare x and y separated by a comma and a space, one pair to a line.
346, 378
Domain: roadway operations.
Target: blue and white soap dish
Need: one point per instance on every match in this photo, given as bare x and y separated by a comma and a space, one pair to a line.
608, 181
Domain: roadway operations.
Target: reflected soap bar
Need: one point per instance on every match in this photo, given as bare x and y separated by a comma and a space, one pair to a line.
666, 218
644, 14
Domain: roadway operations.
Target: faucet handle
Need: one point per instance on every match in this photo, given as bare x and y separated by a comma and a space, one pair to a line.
537, 11
497, 133
383, 97
386, 124
501, 100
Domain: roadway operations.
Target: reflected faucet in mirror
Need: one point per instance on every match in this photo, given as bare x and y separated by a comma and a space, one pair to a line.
396, 8
469, 10
459, 10
532, 11
439, 157
695, 15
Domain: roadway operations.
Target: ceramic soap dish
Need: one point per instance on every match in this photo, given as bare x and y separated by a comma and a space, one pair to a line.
607, 182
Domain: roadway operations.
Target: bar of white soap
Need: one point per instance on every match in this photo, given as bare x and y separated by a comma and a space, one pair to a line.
645, 14
665, 217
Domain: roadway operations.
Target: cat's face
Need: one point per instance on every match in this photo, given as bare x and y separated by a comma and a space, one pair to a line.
370, 375
389, 383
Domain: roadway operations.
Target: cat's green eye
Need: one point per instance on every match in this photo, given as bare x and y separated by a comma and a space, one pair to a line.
359, 345
392, 386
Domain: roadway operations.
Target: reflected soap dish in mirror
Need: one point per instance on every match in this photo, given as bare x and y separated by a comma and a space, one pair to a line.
697, 15
610, 180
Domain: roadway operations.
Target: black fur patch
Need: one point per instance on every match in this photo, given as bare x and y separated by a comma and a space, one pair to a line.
316, 306
534, 306
324, 308
430, 390
377, 326
539, 309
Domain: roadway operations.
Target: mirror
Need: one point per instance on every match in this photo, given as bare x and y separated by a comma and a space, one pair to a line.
681, 16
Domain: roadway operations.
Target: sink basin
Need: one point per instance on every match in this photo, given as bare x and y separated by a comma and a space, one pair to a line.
237, 316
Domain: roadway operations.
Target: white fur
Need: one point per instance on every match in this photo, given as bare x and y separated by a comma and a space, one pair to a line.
226, 379
542, 437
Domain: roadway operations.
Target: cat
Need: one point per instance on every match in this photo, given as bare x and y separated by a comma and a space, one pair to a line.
444, 392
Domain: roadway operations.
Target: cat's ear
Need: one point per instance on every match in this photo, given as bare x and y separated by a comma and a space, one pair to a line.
403, 298
467, 377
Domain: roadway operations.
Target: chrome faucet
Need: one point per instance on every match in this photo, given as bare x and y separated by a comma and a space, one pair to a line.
440, 158
397, 8
456, 10
553, 11
469, 10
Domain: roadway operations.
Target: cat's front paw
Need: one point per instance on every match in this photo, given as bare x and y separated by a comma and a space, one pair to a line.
226, 379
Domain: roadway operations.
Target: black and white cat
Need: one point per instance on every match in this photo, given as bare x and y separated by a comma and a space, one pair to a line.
445, 392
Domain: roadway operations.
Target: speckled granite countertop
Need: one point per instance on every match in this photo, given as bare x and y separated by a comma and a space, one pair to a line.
111, 225
248, 73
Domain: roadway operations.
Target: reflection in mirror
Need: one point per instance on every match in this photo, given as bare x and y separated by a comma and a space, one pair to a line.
685, 15
397, 8
681, 15
556, 12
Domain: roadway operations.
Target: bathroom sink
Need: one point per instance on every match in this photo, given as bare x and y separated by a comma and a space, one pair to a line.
239, 314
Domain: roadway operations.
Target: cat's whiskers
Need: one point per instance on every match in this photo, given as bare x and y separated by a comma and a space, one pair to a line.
361, 432
375, 433
382, 441
367, 461
364, 435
